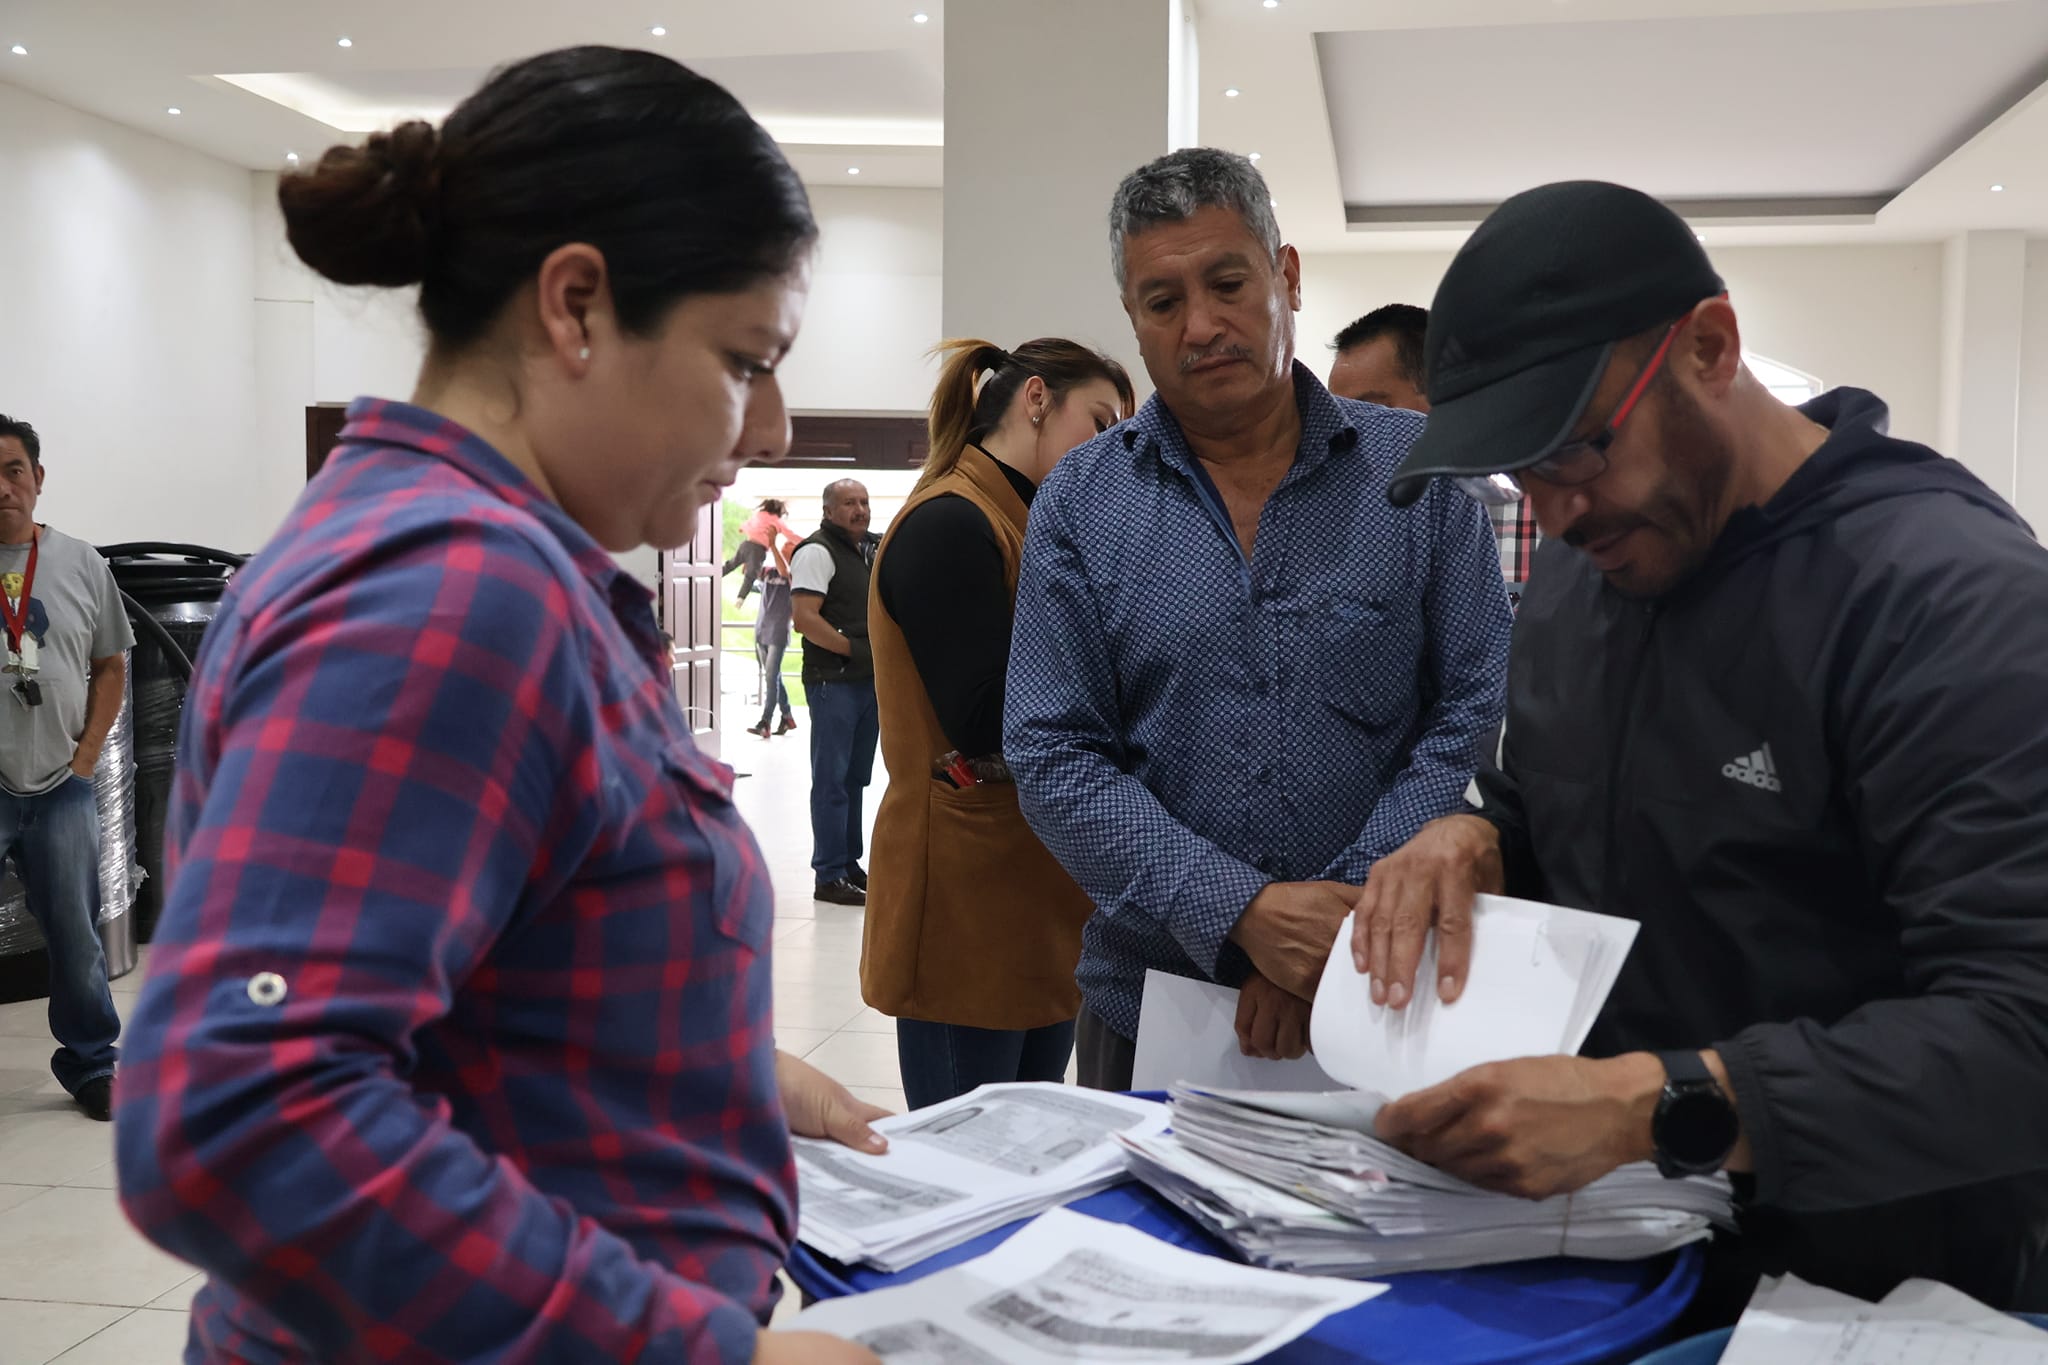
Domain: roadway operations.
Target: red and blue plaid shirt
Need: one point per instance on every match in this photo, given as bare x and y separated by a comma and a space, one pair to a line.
456, 1041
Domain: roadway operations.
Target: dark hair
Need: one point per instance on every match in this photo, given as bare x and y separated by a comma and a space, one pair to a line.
1404, 323
775, 507
961, 412
655, 166
24, 433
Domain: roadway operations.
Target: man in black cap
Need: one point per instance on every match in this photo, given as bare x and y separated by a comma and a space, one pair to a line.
1776, 693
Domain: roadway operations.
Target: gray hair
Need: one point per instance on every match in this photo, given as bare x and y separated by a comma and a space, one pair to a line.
832, 489
1172, 188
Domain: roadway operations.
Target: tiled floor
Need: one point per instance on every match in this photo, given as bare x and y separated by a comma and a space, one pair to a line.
78, 1285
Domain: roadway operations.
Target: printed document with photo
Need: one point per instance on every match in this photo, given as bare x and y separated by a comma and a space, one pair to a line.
1072, 1288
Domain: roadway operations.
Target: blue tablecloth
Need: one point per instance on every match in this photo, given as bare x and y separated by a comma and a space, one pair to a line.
1556, 1312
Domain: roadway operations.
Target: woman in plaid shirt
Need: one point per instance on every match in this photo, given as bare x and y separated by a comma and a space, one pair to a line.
456, 1045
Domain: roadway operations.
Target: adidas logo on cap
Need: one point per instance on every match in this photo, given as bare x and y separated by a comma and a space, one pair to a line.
1757, 769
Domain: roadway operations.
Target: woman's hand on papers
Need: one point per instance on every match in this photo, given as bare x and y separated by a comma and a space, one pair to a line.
1535, 1127
809, 1348
1429, 882
820, 1107
1271, 1023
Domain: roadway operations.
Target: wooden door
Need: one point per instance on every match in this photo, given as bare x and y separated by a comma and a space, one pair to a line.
690, 609
324, 422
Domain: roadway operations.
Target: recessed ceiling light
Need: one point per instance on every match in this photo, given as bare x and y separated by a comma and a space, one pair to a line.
174, 109
344, 42
1274, 202
1699, 236
1255, 156
920, 18
1232, 93
292, 157
658, 31
1272, 4
853, 170
20, 51
1998, 189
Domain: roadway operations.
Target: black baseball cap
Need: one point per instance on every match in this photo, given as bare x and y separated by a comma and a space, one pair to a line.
1527, 318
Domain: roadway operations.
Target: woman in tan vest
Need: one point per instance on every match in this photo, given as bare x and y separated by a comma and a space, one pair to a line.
973, 930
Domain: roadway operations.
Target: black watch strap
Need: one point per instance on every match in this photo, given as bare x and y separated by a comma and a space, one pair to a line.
1685, 1068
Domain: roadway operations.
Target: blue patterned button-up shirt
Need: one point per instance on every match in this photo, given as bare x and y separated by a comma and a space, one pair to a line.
1187, 726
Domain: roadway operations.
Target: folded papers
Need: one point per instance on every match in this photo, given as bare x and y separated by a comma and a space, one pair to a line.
1298, 1182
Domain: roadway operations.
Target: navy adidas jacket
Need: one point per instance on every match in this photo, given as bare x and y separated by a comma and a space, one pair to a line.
1817, 774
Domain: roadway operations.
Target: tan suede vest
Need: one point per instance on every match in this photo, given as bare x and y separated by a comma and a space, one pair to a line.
969, 919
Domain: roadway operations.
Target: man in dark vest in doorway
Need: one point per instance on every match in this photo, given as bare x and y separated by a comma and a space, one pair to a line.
829, 602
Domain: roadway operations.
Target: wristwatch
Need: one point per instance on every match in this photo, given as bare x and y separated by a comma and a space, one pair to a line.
1695, 1127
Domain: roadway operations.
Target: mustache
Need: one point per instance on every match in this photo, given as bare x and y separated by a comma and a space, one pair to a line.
1233, 350
1585, 533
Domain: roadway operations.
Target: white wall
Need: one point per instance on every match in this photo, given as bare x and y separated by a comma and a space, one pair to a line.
874, 306
873, 312
1869, 316
2031, 495
126, 334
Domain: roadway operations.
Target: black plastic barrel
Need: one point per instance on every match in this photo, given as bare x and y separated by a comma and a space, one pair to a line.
179, 588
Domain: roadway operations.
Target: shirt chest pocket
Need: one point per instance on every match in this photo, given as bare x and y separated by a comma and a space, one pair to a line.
1368, 651
713, 854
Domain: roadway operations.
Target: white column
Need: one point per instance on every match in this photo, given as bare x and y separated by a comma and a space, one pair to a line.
1048, 106
1985, 277
2032, 499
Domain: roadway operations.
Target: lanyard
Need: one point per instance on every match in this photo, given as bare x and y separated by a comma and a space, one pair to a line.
16, 611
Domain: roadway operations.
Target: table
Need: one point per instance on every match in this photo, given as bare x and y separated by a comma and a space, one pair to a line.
1556, 1312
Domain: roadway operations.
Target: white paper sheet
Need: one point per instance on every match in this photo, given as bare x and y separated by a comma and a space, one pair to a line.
1538, 978
1072, 1288
1791, 1322
957, 1169
1187, 1032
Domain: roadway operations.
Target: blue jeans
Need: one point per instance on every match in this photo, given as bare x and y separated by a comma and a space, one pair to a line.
55, 840
774, 691
844, 728
939, 1061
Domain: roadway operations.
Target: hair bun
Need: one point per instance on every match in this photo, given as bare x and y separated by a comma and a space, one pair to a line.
365, 215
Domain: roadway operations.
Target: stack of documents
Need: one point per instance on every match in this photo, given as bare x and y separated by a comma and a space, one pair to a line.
956, 1170
1073, 1288
1790, 1322
1298, 1182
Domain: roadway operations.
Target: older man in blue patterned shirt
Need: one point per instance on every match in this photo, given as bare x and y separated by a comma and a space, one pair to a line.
1239, 676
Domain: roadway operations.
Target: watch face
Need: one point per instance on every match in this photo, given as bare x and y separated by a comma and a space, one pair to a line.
1697, 1127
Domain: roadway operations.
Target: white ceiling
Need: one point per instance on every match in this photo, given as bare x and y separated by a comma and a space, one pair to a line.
1381, 105
1721, 107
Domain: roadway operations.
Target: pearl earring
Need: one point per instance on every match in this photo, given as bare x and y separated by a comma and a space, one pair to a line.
583, 354
1036, 420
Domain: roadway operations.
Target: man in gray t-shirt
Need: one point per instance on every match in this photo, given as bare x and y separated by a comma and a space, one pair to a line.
65, 670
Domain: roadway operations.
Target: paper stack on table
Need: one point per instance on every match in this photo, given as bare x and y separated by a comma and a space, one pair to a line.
1321, 1195
1791, 1322
1299, 1181
1073, 1288
956, 1170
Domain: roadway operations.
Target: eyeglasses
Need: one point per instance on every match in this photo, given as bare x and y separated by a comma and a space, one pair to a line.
1575, 462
